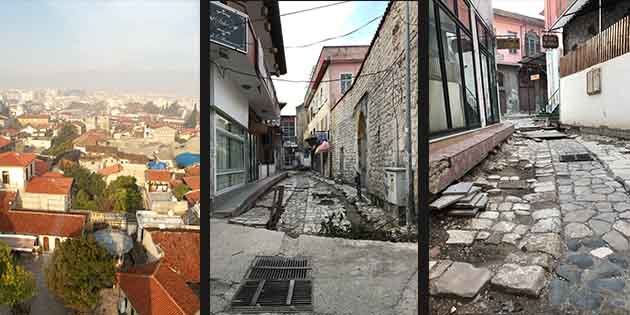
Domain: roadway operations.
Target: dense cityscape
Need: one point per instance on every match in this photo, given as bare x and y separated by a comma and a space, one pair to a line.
99, 191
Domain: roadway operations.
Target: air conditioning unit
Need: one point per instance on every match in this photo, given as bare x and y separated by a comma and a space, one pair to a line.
396, 185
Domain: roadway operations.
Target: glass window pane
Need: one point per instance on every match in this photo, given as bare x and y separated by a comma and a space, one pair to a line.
450, 4
486, 88
450, 46
437, 106
464, 13
470, 79
481, 33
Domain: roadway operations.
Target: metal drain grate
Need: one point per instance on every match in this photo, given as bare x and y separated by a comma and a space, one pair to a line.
579, 157
275, 284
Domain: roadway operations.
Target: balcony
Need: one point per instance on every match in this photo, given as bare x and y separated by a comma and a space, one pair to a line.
240, 56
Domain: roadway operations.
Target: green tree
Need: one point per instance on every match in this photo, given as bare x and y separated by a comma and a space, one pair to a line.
124, 194
17, 285
79, 269
63, 141
180, 191
83, 201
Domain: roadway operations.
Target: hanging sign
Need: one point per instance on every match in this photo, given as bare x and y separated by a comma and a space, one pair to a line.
550, 41
228, 27
535, 77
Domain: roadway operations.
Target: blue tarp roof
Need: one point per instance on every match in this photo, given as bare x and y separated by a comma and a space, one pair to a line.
187, 159
154, 165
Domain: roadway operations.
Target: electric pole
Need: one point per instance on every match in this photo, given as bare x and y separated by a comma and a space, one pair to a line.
410, 199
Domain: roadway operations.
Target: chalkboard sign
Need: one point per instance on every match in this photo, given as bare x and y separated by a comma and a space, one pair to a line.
228, 27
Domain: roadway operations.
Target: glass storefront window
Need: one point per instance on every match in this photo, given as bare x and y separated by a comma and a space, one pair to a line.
230, 153
469, 79
450, 48
437, 104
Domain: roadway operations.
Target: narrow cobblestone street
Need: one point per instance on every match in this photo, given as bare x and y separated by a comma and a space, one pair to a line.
310, 200
562, 240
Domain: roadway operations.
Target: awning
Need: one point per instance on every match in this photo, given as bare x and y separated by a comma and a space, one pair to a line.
569, 13
324, 147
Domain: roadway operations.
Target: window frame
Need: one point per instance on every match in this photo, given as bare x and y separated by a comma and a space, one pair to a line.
343, 81
459, 27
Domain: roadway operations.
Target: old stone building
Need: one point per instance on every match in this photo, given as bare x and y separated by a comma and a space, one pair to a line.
368, 121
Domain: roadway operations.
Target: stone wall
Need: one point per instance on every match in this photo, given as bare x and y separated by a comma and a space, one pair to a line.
385, 104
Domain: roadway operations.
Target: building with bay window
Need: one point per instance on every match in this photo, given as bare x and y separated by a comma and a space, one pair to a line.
246, 49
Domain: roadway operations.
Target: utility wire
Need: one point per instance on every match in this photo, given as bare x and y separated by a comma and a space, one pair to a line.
291, 13
222, 69
336, 37
330, 38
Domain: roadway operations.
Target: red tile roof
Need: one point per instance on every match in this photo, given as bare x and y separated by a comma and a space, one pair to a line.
4, 142
7, 198
155, 289
41, 167
194, 170
91, 137
116, 168
158, 175
16, 159
49, 185
42, 223
178, 246
52, 174
193, 182
193, 196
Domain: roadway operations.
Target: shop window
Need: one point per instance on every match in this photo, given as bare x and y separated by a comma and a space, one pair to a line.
230, 154
450, 52
437, 103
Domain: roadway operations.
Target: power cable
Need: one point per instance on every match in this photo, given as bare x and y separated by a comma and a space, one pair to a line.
289, 13
337, 37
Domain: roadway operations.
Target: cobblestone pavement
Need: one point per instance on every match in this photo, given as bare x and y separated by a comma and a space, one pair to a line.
307, 200
570, 230
591, 277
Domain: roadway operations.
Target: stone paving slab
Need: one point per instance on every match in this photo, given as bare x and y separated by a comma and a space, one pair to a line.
513, 278
460, 279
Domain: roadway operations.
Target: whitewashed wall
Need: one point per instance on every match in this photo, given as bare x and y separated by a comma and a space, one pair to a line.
228, 97
610, 108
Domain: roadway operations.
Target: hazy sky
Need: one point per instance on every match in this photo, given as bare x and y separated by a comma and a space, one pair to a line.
525, 7
128, 45
312, 26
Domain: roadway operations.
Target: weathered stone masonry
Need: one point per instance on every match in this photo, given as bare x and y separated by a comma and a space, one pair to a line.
385, 103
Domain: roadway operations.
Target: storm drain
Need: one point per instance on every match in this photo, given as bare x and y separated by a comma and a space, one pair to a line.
275, 284
579, 157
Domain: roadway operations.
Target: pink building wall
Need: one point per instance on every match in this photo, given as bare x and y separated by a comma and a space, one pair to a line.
342, 59
553, 9
504, 24
335, 69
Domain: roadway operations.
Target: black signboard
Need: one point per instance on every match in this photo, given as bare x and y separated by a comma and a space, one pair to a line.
508, 43
228, 27
550, 41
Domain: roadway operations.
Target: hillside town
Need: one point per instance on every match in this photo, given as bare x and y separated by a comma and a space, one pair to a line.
87, 172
